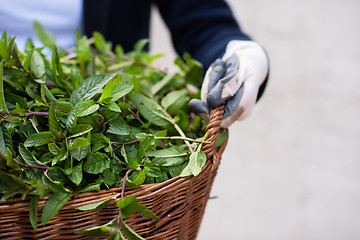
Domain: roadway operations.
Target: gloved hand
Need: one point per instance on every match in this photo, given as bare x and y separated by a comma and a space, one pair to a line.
236, 79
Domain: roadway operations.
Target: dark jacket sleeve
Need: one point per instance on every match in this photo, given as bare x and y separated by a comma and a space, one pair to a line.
201, 27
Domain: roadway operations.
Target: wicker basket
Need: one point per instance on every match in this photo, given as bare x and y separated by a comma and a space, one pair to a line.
178, 202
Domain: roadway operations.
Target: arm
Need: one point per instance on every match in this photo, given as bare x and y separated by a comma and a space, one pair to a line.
201, 27
207, 30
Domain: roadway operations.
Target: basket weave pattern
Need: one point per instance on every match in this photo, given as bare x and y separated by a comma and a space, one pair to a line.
178, 202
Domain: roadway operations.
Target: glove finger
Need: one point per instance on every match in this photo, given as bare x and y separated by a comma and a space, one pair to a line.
232, 67
216, 95
233, 103
216, 73
199, 107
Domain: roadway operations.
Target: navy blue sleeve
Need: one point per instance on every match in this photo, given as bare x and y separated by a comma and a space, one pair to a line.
200, 27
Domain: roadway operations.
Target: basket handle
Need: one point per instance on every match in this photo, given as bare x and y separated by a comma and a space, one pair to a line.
213, 128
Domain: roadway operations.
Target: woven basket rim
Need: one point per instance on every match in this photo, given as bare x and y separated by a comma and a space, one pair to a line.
213, 128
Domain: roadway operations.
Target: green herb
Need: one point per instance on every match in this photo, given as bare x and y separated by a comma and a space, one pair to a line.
93, 119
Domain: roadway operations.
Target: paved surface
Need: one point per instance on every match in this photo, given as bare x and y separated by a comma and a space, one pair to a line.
292, 169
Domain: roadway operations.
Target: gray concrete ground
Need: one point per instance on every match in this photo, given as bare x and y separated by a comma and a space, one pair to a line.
292, 169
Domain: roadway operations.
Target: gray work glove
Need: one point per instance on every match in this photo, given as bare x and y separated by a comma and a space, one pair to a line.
236, 79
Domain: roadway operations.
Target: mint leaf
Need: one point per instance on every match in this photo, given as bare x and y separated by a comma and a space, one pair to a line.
3, 107
168, 157
97, 205
76, 175
45, 37
145, 212
121, 90
196, 163
80, 129
98, 230
33, 210
54, 126
37, 64
160, 84
27, 156
119, 127
89, 87
38, 139
53, 205
128, 232
96, 163
86, 107
150, 110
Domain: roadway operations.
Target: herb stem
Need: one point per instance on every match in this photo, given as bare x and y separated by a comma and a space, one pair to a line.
184, 138
122, 194
137, 117
32, 166
122, 144
27, 114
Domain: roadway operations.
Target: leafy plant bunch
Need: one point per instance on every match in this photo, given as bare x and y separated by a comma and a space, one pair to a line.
93, 119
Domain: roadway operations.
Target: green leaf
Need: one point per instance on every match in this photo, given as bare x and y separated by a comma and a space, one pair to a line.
54, 186
89, 87
126, 201
128, 232
63, 106
108, 89
3, 107
119, 127
152, 170
221, 139
45, 37
121, 90
83, 51
33, 209
108, 177
11, 185
100, 43
97, 205
37, 64
86, 107
150, 110
197, 161
76, 175
128, 205
139, 45
57, 70
54, 126
53, 205
80, 152
38, 139
3, 45
144, 145
80, 129
27, 156
47, 93
112, 106
174, 98
129, 161
26, 62
168, 157
98, 230
138, 178
96, 163
92, 187
79, 142
2, 142
99, 141
145, 212
53, 148
160, 84
71, 119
